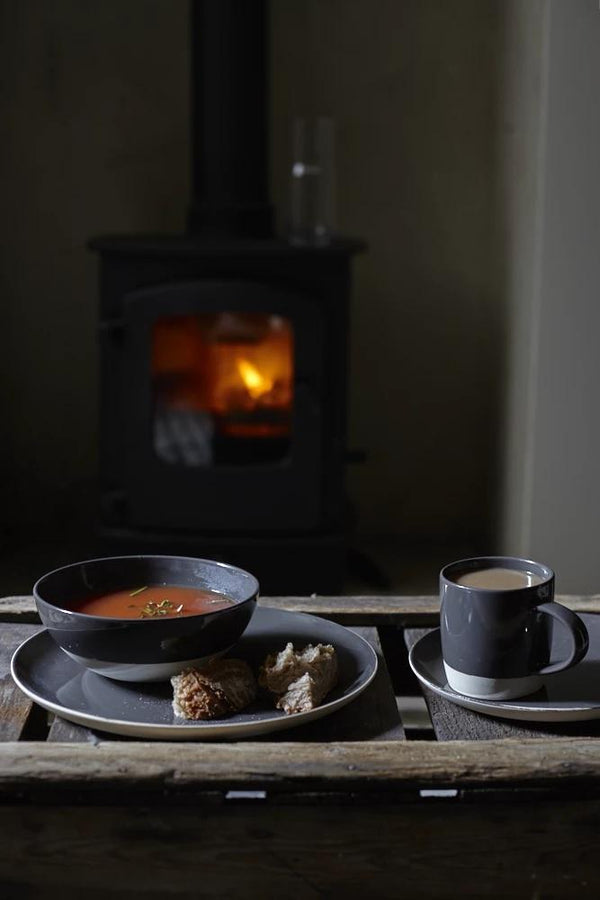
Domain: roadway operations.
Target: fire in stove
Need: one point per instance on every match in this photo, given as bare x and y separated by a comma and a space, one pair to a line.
223, 388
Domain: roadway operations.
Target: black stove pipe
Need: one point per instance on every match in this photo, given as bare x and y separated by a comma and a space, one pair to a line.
229, 120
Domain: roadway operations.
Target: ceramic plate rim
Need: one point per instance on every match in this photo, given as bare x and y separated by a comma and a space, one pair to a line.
210, 730
503, 709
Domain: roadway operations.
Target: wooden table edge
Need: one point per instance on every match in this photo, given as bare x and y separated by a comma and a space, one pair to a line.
283, 767
417, 610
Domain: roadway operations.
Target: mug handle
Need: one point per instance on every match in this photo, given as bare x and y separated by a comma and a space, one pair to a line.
577, 630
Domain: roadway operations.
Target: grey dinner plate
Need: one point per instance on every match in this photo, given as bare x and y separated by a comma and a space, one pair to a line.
569, 696
53, 680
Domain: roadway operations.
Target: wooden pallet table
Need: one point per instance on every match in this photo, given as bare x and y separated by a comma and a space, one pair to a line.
354, 804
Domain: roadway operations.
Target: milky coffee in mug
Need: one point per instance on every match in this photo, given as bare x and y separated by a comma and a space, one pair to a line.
496, 618
498, 578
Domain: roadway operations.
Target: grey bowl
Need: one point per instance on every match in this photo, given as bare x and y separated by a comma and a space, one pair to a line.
143, 649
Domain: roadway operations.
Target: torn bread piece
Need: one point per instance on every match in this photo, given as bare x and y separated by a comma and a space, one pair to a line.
302, 678
222, 687
301, 695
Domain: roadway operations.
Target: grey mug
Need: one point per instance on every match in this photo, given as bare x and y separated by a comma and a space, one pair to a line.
496, 640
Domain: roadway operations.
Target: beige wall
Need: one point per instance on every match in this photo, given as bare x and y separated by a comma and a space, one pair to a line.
94, 107
524, 104
94, 138
553, 505
412, 87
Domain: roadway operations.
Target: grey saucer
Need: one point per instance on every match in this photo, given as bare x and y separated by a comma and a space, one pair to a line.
569, 696
138, 709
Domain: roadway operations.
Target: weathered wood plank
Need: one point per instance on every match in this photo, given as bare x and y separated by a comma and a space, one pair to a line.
15, 707
393, 646
348, 610
69, 733
419, 849
415, 611
353, 766
375, 714
454, 723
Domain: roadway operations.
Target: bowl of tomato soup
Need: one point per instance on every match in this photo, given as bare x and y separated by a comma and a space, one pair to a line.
145, 618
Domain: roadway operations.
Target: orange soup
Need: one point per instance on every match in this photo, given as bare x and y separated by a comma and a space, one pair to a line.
154, 603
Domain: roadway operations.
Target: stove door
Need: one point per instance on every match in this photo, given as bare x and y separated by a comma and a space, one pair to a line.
221, 408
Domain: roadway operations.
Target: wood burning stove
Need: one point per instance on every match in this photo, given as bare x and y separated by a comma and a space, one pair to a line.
223, 354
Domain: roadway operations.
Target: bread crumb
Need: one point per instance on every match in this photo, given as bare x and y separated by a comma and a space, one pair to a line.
301, 678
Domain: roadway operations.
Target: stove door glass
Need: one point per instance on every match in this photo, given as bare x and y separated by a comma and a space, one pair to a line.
222, 388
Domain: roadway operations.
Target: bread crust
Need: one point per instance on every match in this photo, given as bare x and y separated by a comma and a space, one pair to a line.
222, 687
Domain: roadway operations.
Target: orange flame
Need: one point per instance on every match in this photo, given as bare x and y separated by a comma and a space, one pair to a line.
255, 383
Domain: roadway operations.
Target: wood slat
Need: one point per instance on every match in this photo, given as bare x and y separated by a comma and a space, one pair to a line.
416, 850
15, 707
376, 710
415, 611
385, 766
454, 723
69, 733
402, 676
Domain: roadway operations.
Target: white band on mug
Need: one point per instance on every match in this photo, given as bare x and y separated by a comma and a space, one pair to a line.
491, 688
